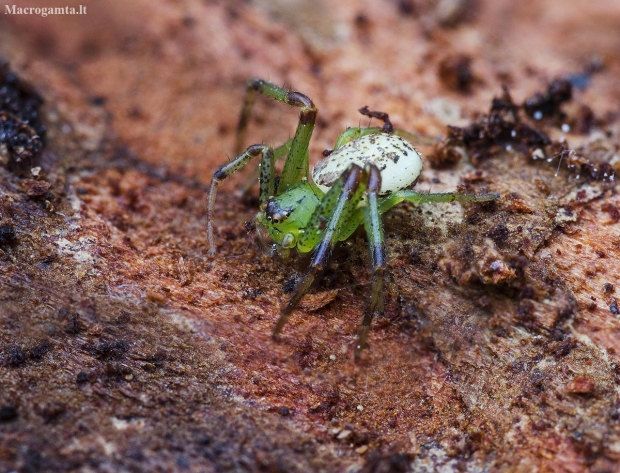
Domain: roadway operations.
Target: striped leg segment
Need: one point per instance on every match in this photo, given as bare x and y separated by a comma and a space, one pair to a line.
374, 231
267, 181
335, 208
297, 164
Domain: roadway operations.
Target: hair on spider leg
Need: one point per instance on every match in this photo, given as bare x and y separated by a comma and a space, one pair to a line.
262, 240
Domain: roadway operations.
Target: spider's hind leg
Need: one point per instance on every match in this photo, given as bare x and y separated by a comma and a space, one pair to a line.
415, 138
384, 117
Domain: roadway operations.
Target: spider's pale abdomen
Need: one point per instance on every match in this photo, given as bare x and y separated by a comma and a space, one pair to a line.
400, 164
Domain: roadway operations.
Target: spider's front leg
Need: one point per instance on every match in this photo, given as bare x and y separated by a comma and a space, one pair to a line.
296, 167
334, 213
323, 230
374, 231
267, 181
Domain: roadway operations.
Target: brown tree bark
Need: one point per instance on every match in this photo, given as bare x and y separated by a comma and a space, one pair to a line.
124, 347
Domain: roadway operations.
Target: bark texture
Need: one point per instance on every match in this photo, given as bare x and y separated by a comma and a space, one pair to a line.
124, 347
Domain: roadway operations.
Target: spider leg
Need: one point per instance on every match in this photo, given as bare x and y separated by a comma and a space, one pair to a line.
353, 133
374, 231
422, 198
387, 202
278, 153
244, 116
384, 117
297, 165
267, 181
336, 207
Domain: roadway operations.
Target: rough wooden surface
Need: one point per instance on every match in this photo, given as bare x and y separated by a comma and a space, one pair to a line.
125, 348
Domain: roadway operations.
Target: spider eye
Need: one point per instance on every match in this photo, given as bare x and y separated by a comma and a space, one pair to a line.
274, 213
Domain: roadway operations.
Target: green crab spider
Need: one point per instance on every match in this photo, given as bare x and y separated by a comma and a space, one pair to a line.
367, 173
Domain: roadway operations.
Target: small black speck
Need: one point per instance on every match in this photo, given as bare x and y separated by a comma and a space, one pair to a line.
73, 325
81, 378
204, 440
406, 7
189, 21
289, 285
110, 350
7, 235
98, 100
8, 413
361, 21
15, 358
39, 351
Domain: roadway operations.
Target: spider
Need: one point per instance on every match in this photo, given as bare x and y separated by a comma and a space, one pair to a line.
367, 173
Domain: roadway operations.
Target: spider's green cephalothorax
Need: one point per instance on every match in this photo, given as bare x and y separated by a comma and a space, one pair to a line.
282, 218
367, 173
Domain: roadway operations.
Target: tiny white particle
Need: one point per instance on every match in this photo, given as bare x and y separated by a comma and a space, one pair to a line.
496, 265
538, 115
565, 127
360, 407
344, 434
